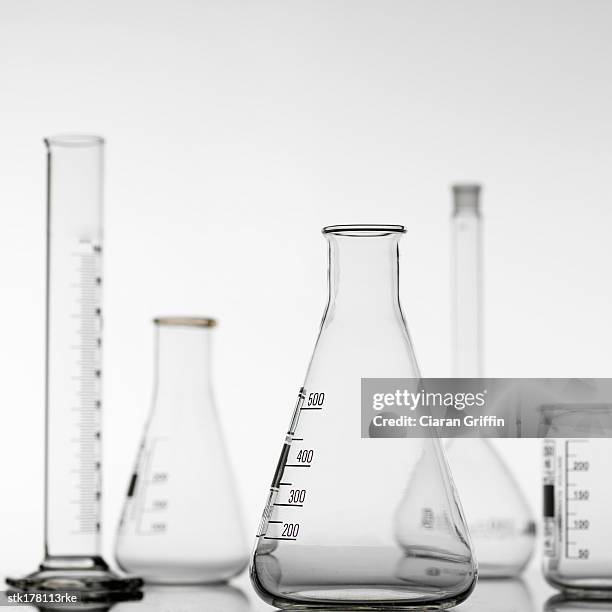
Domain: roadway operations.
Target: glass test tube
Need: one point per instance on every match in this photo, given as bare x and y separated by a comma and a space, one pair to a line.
73, 393
467, 282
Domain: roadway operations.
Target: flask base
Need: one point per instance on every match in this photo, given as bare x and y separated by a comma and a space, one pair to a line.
167, 573
360, 578
89, 576
358, 599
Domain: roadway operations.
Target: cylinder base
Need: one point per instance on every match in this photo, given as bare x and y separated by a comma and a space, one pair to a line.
89, 576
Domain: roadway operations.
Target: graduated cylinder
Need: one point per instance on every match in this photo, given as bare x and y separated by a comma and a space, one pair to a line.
74, 349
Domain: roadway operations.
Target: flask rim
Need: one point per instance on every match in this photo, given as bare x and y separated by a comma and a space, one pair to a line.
74, 140
364, 229
186, 321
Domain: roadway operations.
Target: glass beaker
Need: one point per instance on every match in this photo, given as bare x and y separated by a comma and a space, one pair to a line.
181, 521
498, 515
73, 390
353, 521
577, 499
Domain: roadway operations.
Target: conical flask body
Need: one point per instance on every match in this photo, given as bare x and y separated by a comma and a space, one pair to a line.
181, 520
498, 515
336, 530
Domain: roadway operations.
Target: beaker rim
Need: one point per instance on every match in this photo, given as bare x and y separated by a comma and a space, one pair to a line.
74, 140
364, 229
186, 321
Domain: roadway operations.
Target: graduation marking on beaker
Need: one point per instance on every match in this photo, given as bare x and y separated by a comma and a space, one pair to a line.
568, 483
577, 493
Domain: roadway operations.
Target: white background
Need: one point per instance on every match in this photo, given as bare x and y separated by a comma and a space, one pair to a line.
235, 131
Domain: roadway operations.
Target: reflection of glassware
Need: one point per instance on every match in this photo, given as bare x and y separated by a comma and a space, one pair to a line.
213, 598
338, 528
499, 519
501, 595
181, 522
563, 603
72, 558
577, 500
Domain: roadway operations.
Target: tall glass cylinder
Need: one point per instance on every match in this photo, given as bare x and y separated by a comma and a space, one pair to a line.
467, 282
73, 390
74, 349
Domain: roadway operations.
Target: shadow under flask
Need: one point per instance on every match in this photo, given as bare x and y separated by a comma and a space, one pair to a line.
181, 521
354, 521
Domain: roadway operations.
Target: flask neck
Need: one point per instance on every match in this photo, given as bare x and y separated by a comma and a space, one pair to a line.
183, 360
363, 277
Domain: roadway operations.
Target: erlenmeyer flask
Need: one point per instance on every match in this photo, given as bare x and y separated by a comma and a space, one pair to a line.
337, 529
181, 521
498, 515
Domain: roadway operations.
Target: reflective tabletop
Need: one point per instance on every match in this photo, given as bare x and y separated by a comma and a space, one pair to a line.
528, 594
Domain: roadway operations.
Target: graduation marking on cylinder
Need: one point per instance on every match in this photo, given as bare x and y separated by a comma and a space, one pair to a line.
86, 351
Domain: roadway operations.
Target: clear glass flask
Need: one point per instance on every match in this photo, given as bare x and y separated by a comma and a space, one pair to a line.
350, 521
73, 458
577, 500
181, 521
498, 515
